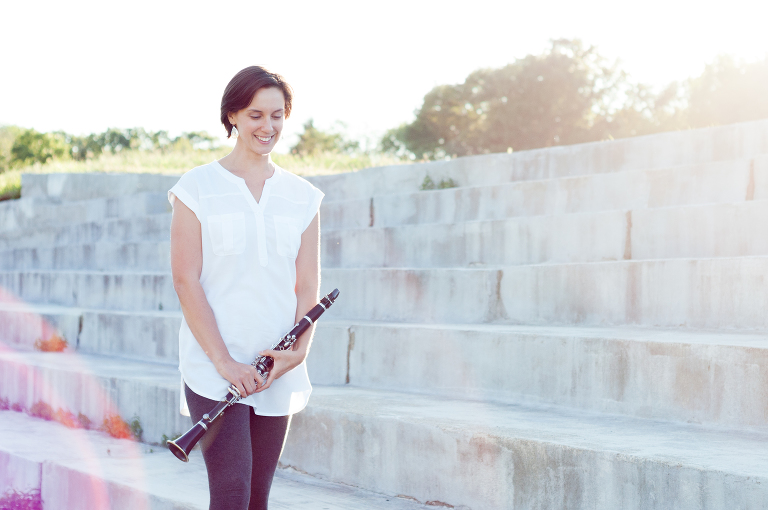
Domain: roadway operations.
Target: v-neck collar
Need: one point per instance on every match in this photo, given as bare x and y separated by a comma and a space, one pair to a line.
256, 207
240, 182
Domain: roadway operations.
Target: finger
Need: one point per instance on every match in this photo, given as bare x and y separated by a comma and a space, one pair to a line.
241, 389
256, 377
251, 386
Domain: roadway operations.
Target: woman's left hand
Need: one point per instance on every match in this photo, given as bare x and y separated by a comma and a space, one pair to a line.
285, 361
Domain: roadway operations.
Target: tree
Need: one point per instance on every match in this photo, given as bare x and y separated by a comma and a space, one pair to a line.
8, 135
569, 94
313, 141
729, 91
33, 147
536, 101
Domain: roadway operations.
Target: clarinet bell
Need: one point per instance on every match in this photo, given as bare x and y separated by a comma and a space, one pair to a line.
182, 445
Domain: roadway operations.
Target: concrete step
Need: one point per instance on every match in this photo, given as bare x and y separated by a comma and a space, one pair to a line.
720, 182
150, 336
31, 213
710, 230
484, 455
664, 150
127, 291
706, 293
87, 469
72, 187
22, 324
145, 336
98, 387
697, 377
155, 227
99, 256
498, 455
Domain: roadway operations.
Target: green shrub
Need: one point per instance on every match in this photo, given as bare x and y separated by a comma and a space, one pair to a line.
429, 184
136, 428
84, 421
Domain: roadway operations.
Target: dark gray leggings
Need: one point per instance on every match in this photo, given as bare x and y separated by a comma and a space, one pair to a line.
241, 450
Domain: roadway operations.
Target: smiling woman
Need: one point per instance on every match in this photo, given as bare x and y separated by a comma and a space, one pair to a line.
245, 263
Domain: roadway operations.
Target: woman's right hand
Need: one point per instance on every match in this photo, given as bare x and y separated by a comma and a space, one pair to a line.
244, 377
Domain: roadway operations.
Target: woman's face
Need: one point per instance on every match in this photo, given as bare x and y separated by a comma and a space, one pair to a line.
259, 124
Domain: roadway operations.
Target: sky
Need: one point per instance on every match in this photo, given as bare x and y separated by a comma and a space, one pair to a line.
82, 66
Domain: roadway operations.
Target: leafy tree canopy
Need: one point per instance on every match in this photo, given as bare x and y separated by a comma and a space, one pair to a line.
313, 141
571, 94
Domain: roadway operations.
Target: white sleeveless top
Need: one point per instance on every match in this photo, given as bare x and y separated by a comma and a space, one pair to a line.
248, 275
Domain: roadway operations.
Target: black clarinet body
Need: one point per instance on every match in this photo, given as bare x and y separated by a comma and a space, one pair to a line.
182, 445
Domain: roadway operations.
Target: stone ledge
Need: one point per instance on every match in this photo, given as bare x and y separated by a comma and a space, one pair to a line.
78, 469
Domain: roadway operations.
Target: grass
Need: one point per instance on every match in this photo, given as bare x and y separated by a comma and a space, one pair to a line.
178, 162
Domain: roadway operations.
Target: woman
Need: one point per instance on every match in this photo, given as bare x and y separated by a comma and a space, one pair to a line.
245, 261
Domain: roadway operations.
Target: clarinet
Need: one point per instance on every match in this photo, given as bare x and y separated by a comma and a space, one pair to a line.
182, 445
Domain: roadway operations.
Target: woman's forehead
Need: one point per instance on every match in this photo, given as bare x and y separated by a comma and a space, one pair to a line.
271, 99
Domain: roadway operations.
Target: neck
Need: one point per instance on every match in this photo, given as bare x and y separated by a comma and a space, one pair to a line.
242, 161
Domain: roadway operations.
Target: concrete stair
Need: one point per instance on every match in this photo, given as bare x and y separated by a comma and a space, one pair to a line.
574, 327
87, 469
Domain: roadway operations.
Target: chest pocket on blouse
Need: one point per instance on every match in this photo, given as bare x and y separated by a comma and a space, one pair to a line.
287, 236
227, 233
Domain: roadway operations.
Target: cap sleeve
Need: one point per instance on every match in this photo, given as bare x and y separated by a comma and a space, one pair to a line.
186, 190
315, 197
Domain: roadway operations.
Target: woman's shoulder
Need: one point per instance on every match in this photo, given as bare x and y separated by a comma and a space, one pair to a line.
296, 184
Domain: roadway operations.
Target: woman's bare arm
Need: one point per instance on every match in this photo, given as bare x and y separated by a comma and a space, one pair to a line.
307, 288
186, 265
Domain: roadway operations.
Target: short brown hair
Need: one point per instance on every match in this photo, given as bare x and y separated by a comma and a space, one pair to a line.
241, 89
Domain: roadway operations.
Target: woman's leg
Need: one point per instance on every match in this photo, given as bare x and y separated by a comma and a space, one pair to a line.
226, 451
268, 435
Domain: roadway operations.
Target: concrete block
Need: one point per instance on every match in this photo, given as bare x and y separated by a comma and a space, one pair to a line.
85, 186
713, 378
328, 362
720, 182
116, 291
18, 473
36, 212
582, 237
712, 230
103, 256
484, 455
139, 229
97, 387
355, 213
723, 143
152, 336
715, 293
689, 293
416, 295
21, 324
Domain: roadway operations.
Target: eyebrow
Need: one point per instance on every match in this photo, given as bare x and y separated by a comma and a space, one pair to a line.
259, 111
